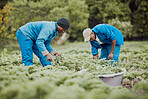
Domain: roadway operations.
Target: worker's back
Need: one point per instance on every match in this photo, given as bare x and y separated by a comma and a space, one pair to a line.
33, 29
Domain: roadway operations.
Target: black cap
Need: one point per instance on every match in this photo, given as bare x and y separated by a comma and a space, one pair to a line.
63, 22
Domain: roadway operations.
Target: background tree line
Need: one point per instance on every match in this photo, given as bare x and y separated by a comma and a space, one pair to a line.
129, 16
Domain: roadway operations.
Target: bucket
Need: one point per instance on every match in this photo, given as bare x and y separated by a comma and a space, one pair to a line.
112, 79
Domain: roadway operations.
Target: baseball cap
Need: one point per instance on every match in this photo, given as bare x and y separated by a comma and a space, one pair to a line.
86, 34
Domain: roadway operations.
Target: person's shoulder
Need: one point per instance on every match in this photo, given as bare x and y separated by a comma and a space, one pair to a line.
110, 26
47, 23
42, 22
99, 25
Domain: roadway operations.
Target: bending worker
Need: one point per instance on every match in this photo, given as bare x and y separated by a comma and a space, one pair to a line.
106, 37
36, 37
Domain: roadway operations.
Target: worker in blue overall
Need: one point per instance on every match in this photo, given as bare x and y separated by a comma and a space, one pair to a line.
35, 37
106, 37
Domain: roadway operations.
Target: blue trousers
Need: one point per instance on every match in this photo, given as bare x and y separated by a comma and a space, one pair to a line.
28, 47
106, 49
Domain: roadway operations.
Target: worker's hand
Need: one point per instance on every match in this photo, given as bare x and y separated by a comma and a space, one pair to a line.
110, 56
49, 57
59, 54
95, 56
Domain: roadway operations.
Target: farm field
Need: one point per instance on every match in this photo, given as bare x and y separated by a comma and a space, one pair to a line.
63, 79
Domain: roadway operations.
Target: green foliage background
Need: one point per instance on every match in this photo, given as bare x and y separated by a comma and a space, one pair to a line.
129, 16
139, 18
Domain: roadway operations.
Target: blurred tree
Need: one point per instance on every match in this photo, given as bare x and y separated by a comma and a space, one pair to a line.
94, 12
125, 27
3, 3
4, 21
139, 18
32, 10
51, 10
101, 11
79, 12
136, 11
58, 12
78, 16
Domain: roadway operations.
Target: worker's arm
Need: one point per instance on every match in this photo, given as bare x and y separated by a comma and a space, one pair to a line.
52, 51
94, 48
49, 48
49, 57
111, 37
42, 38
40, 42
110, 56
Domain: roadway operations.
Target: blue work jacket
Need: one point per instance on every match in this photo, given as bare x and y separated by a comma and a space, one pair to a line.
106, 34
41, 32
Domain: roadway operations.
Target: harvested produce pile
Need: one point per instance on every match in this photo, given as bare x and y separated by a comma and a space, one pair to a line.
63, 79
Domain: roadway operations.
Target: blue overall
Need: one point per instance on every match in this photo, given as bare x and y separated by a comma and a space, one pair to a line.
106, 34
35, 37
